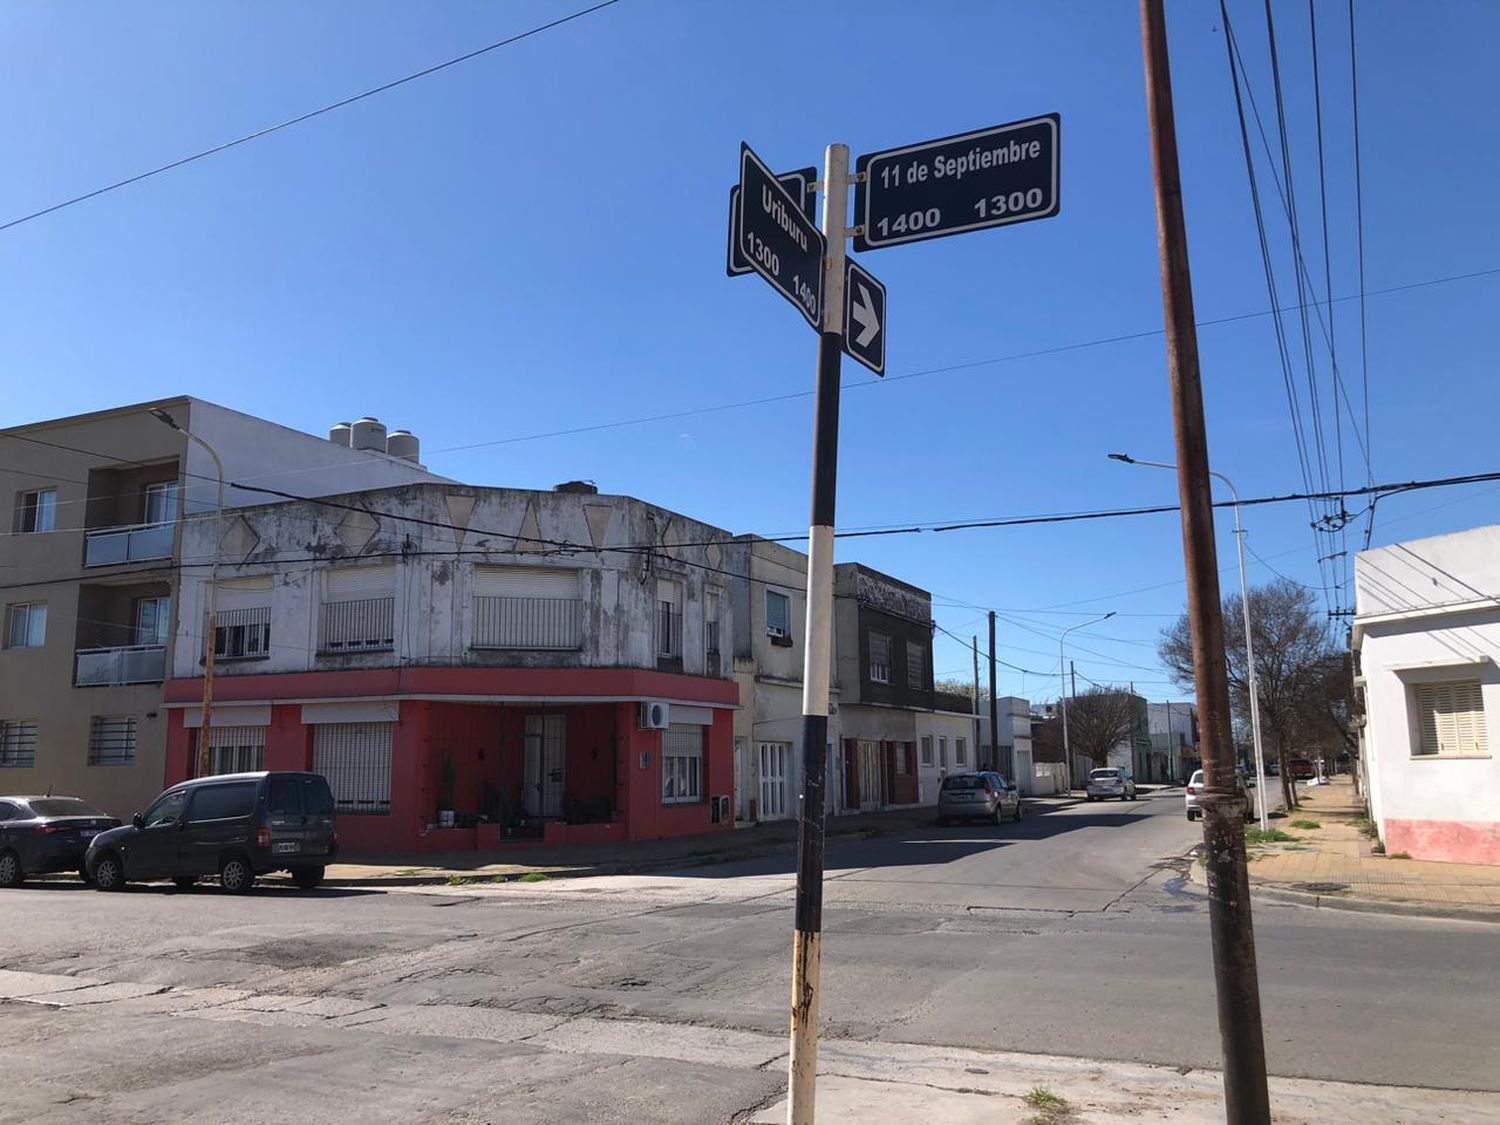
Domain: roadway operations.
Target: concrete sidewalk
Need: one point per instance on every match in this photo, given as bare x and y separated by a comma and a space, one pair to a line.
770, 838
1335, 864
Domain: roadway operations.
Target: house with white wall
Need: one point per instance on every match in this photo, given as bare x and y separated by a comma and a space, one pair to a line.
1426, 638
1012, 754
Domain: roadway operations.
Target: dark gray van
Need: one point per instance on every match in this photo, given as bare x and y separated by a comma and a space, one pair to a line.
234, 826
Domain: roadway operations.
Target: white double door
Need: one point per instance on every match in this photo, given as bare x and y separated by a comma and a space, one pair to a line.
546, 754
776, 768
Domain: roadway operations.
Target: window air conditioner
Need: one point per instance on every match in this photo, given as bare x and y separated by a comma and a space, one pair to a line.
654, 715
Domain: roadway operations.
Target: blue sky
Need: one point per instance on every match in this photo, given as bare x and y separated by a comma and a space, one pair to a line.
533, 242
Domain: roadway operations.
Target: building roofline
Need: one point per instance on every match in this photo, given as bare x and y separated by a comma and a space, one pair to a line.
112, 412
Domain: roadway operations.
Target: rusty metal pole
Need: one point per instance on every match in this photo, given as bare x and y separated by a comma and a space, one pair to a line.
1246, 1101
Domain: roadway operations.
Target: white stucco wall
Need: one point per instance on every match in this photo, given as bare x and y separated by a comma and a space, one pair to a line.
1424, 614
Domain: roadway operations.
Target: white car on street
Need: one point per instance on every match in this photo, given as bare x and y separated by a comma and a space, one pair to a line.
1108, 782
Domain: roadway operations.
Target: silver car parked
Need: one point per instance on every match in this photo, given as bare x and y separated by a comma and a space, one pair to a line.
1109, 782
972, 796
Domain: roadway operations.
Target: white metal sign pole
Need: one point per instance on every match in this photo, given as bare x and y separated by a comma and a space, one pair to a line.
817, 660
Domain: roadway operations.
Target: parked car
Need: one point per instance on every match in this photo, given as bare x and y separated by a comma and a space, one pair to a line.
234, 826
1108, 782
45, 834
970, 796
1194, 790
1302, 769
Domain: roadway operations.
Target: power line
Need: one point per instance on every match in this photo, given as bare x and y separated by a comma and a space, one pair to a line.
1359, 226
340, 104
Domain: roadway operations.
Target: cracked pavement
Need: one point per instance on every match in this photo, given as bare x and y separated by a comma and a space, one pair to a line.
963, 962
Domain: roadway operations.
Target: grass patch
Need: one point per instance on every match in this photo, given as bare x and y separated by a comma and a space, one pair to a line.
531, 877
1377, 848
1306, 825
497, 878
1254, 835
458, 880
1399, 855
1039, 1097
1367, 826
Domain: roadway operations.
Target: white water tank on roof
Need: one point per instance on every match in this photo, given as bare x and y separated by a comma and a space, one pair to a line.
368, 433
404, 444
339, 434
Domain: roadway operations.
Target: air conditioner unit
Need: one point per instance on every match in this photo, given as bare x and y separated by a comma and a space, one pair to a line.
654, 715
719, 810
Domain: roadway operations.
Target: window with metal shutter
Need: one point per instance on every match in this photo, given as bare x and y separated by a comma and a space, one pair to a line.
1450, 718
236, 749
525, 582
355, 758
353, 583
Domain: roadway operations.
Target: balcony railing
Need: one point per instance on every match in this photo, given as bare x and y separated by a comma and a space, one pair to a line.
531, 623
365, 625
668, 634
712, 662
132, 664
243, 634
113, 545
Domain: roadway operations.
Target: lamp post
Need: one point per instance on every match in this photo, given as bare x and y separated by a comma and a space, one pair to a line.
201, 767
1062, 671
1239, 539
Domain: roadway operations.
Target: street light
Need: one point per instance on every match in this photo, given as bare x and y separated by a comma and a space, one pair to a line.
1239, 538
1062, 671
211, 633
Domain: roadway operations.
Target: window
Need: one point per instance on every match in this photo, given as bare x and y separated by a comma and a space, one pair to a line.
152, 617
927, 749
682, 764
1450, 720
284, 798
243, 634
880, 658
26, 625
527, 607
903, 759
713, 663
161, 502
668, 619
9, 811
167, 809
236, 749
943, 750
112, 740
916, 665
17, 743
223, 802
356, 760
961, 751
62, 806
37, 511
778, 614
359, 609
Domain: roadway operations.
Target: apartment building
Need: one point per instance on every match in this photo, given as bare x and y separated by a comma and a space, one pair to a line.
91, 561
471, 667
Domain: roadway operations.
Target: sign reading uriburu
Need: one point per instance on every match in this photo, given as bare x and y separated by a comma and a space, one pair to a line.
781, 244
972, 181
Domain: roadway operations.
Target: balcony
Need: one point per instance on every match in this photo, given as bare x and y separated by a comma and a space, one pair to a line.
528, 623
111, 546
129, 664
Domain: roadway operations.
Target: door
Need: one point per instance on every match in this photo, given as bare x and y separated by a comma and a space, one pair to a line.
546, 744
152, 618
220, 818
871, 776
741, 779
775, 759
151, 853
285, 816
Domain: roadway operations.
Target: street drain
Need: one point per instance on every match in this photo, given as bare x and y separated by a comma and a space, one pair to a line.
1322, 888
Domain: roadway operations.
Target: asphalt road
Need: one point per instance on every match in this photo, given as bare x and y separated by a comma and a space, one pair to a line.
1066, 934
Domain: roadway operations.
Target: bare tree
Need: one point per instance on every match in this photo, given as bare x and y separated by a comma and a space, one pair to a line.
1101, 719
1303, 680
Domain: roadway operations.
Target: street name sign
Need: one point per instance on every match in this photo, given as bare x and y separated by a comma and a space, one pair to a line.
781, 244
799, 183
864, 317
953, 185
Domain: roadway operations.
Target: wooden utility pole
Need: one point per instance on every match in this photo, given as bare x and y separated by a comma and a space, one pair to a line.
1242, 1043
994, 762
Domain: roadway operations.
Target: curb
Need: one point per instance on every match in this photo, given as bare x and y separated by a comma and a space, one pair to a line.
1354, 904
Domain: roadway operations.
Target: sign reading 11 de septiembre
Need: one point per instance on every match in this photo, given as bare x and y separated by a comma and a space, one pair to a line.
972, 181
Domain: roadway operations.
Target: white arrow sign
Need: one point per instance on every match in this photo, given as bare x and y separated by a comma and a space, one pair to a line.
864, 317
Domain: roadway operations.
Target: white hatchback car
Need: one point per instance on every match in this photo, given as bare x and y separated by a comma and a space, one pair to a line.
1195, 789
1108, 782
